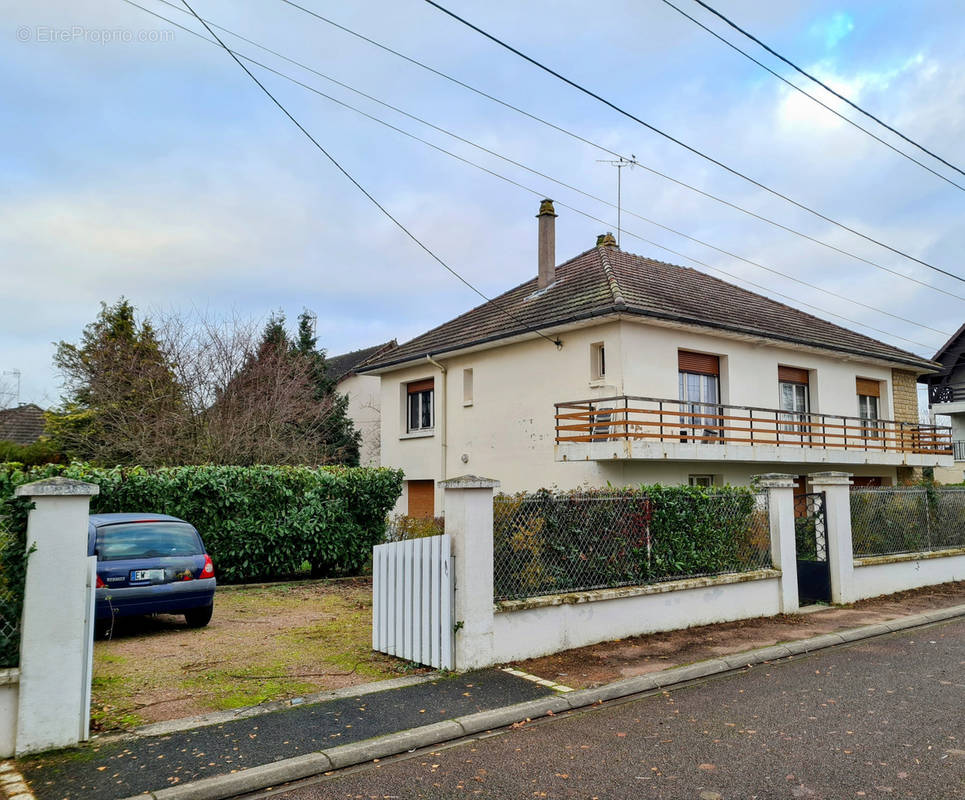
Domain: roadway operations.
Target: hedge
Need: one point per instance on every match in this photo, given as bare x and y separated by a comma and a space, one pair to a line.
547, 543
259, 522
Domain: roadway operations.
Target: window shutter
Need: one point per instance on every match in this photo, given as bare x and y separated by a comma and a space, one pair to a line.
792, 375
420, 386
869, 388
699, 363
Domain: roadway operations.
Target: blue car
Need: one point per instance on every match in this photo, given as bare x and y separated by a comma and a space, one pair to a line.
149, 564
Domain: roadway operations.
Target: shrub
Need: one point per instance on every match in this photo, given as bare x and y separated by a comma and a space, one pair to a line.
546, 543
402, 527
258, 522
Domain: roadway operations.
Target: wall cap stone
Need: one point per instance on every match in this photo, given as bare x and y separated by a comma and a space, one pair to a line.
469, 482
830, 478
774, 480
57, 487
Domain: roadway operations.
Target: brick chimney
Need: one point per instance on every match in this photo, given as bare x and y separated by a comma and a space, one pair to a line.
547, 244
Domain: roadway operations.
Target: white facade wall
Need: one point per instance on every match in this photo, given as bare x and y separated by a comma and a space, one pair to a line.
508, 429
364, 394
535, 632
9, 707
877, 576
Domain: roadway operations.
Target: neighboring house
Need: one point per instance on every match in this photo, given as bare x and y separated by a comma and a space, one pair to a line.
21, 425
615, 368
946, 395
364, 397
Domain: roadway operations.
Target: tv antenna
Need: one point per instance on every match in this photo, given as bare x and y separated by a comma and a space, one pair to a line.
16, 373
619, 163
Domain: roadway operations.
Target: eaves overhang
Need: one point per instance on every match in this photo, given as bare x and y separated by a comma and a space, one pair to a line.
921, 365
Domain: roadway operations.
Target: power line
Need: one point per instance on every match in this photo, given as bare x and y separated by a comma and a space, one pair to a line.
547, 177
824, 86
821, 103
604, 149
686, 146
496, 154
537, 192
358, 185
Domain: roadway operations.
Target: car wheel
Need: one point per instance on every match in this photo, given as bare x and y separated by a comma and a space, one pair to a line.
198, 617
103, 628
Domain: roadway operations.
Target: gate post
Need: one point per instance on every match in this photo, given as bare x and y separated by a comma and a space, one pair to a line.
837, 507
468, 503
780, 507
55, 638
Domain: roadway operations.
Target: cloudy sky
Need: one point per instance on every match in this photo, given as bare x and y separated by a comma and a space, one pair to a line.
138, 160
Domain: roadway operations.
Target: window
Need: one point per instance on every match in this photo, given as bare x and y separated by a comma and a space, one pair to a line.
467, 387
699, 387
869, 393
597, 361
420, 414
795, 403
701, 480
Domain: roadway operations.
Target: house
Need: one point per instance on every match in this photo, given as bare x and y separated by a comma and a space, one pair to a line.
616, 368
946, 395
364, 397
23, 424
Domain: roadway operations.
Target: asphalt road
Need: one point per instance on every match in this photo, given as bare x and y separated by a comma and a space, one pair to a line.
881, 719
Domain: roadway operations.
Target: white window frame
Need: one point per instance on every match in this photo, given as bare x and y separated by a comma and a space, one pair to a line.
701, 480
420, 397
597, 361
870, 420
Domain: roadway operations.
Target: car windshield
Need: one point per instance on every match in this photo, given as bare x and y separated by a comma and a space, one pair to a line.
147, 540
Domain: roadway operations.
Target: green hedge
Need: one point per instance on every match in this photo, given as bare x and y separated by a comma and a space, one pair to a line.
548, 543
259, 522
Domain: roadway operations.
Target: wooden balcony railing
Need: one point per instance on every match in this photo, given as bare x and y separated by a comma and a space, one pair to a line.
648, 418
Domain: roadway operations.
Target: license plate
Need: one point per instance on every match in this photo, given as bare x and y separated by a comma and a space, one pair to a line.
152, 575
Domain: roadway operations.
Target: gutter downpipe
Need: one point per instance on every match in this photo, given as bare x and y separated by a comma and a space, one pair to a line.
443, 427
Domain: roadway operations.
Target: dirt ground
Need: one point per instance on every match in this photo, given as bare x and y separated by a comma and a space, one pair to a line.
602, 663
263, 643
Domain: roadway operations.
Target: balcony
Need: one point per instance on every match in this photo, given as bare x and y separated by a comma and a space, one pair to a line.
647, 428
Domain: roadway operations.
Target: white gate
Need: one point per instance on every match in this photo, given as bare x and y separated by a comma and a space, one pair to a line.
412, 600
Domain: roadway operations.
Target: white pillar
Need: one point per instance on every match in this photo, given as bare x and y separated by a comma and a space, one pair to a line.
468, 503
837, 506
780, 507
54, 640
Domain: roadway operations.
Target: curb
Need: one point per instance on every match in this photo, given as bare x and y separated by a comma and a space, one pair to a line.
221, 787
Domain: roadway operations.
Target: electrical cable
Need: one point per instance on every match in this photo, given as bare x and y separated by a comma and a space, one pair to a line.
689, 148
821, 103
535, 192
604, 149
824, 86
502, 157
359, 186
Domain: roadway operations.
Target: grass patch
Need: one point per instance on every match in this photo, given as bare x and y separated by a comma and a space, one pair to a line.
264, 643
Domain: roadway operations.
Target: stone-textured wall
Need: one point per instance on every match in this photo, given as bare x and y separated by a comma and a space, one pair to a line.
904, 390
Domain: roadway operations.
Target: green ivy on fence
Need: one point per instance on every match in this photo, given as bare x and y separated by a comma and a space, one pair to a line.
259, 522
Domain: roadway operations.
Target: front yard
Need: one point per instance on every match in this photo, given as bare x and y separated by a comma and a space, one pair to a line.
263, 643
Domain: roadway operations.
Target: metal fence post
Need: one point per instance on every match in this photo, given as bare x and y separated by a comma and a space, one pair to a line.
837, 507
780, 505
468, 502
54, 701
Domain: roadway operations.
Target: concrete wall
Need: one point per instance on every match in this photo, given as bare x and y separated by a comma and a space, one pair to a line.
508, 429
364, 394
889, 574
562, 624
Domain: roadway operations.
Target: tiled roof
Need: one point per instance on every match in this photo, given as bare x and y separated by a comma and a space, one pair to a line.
21, 425
607, 280
347, 363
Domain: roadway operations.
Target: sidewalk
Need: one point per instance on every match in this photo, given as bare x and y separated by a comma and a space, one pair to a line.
256, 750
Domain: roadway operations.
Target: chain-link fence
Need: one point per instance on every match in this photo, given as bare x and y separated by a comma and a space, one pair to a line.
913, 520
12, 572
549, 544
